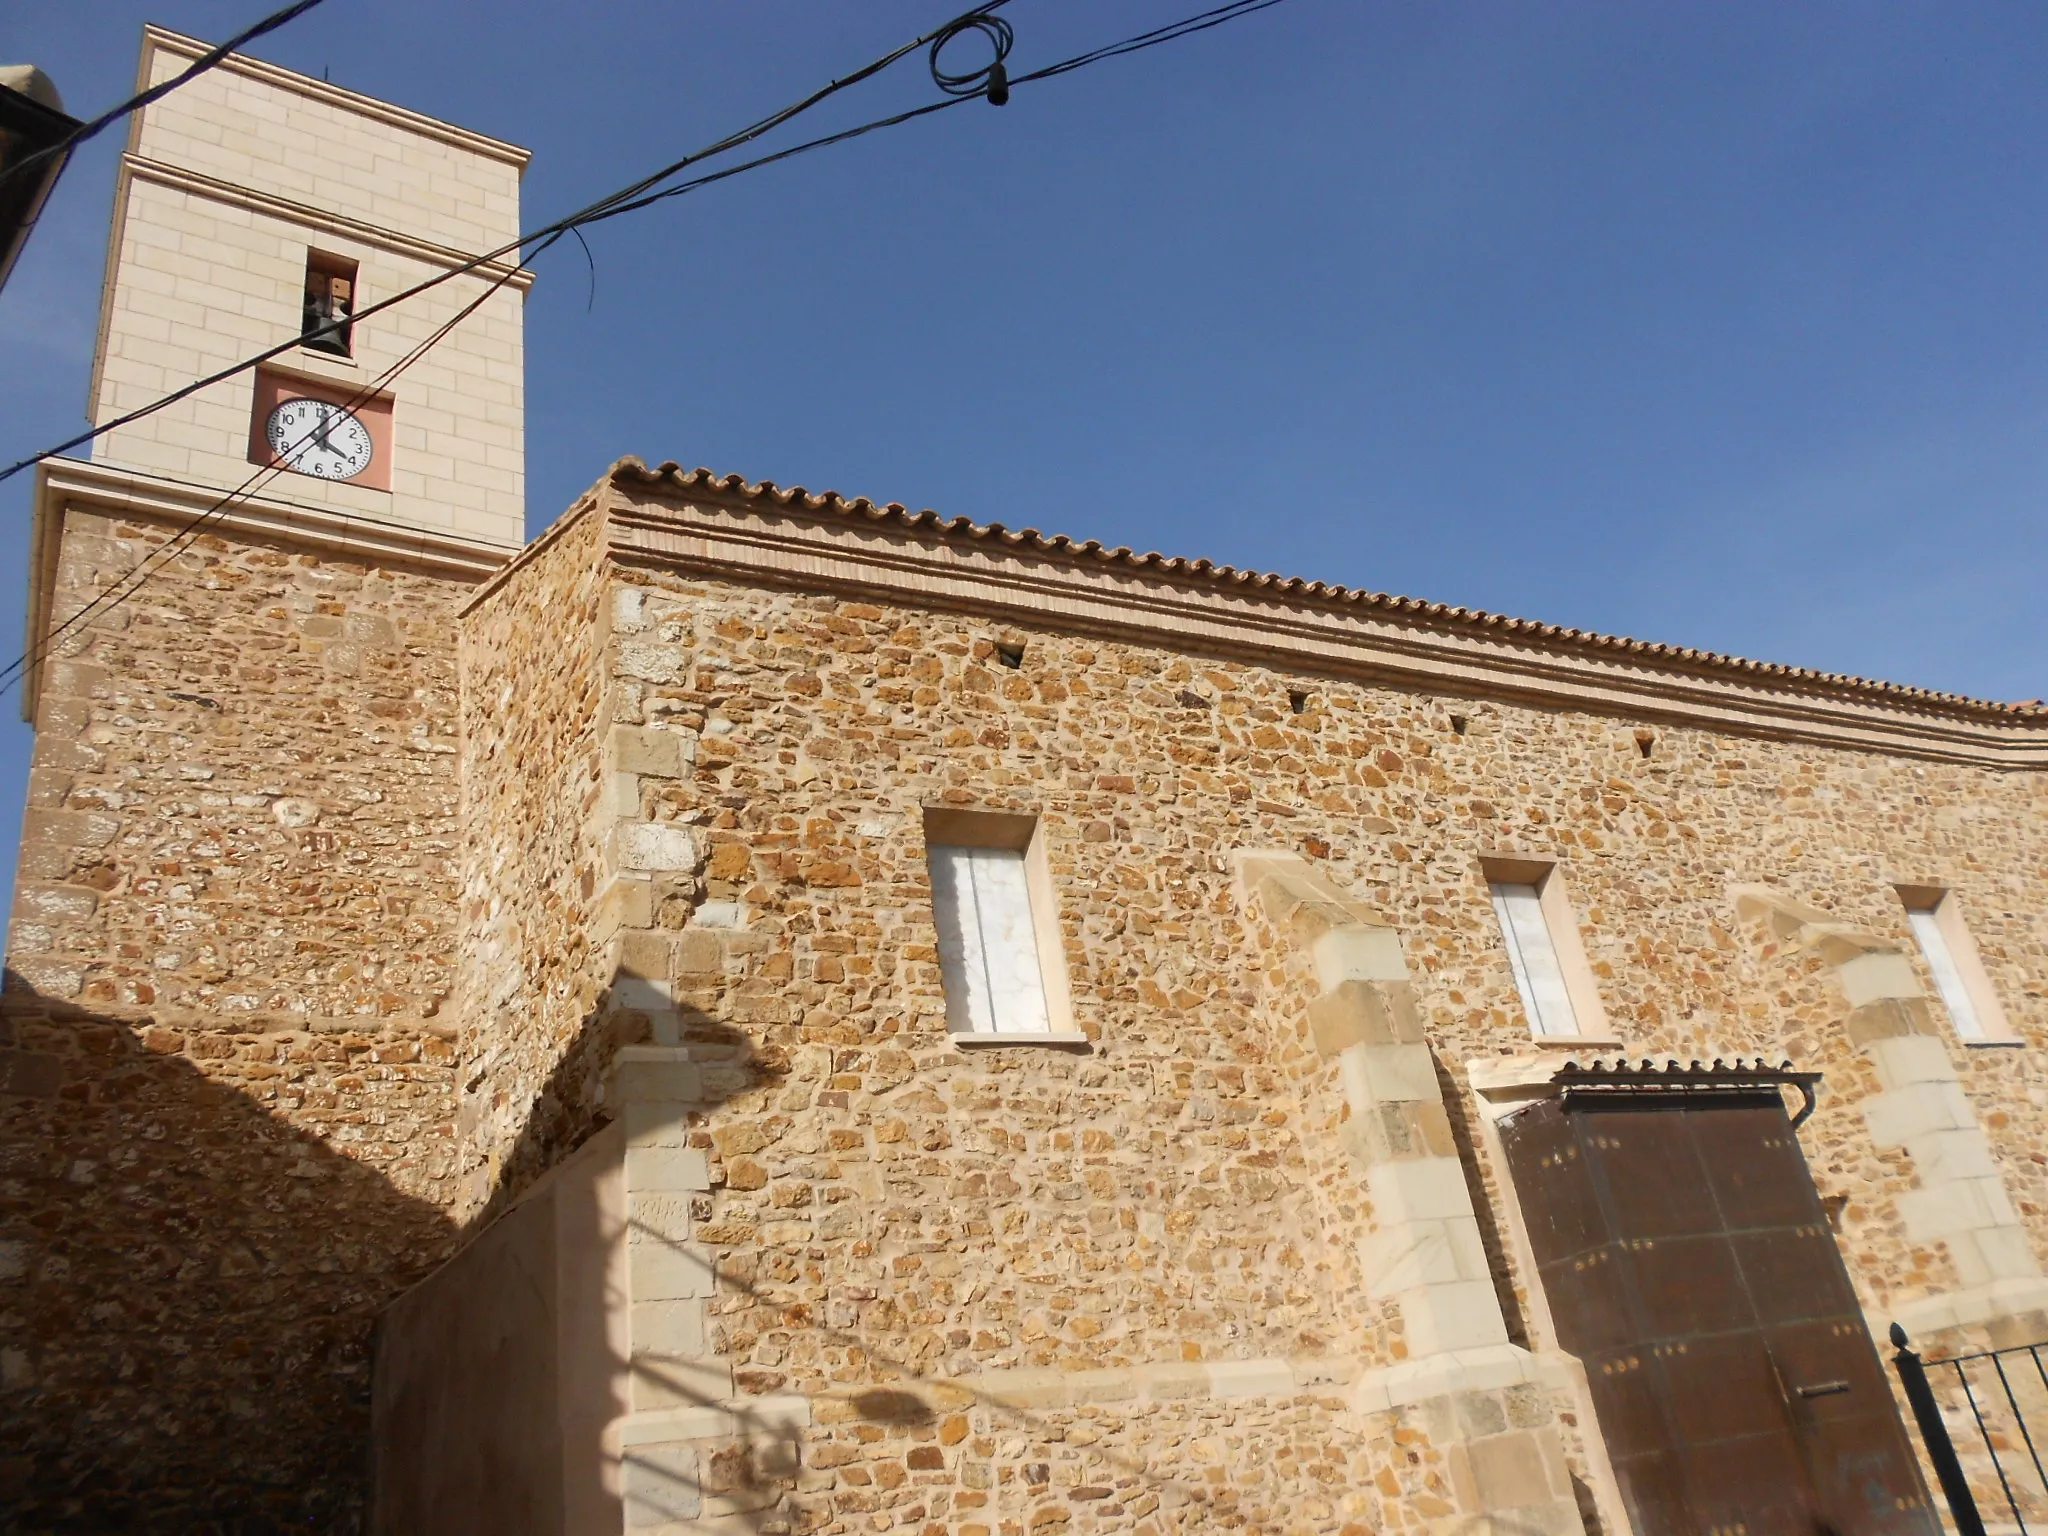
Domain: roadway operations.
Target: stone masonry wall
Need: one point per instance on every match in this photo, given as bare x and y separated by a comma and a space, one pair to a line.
886, 1280
886, 1210
226, 1052
533, 978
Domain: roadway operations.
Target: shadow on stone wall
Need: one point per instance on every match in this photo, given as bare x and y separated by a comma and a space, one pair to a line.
496, 1378
190, 1285
572, 1106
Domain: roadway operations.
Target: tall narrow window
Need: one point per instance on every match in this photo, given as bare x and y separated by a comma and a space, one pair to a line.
1959, 977
1541, 936
1538, 976
1000, 958
988, 950
1947, 979
328, 320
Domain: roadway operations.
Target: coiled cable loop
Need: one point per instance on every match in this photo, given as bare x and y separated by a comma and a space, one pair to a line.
992, 79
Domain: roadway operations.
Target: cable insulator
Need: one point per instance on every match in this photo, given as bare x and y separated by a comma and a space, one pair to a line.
992, 79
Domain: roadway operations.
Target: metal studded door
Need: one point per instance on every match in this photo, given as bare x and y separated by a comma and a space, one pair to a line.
1688, 1263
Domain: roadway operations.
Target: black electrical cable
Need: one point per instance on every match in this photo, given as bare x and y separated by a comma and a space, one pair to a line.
588, 214
135, 103
605, 208
1134, 44
991, 79
1186, 27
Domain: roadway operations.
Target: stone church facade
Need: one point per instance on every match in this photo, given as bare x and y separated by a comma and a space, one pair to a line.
762, 1012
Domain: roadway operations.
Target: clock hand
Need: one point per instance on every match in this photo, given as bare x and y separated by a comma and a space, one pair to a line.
320, 431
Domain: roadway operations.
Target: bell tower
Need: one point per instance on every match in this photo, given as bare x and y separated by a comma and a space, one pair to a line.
230, 978
254, 205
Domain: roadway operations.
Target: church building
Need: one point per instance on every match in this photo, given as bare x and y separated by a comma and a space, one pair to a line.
763, 1012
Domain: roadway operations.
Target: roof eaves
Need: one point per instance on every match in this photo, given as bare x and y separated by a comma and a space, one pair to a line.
829, 504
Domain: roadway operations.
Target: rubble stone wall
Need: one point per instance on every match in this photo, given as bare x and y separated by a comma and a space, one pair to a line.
226, 1047
887, 1207
337, 908
532, 979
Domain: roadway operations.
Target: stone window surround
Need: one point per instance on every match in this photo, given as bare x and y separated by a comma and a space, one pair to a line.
1025, 833
1581, 986
1946, 906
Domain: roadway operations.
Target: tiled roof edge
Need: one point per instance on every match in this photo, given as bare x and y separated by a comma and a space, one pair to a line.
634, 471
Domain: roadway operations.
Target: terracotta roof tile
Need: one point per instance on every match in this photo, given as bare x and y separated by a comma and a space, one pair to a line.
829, 504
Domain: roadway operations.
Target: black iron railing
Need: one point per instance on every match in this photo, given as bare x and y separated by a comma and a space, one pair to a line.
1984, 1421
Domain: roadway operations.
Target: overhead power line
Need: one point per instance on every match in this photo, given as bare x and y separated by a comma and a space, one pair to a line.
638, 195
1142, 40
618, 203
587, 214
137, 102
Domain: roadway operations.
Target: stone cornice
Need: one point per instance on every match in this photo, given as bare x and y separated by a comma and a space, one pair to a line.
63, 483
161, 39
738, 533
136, 167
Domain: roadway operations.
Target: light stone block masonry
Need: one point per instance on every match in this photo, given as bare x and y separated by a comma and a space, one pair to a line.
228, 182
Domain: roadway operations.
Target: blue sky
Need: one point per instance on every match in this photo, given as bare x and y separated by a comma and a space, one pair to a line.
1718, 324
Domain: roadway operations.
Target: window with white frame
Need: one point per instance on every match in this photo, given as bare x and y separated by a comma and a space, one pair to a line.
1948, 981
1000, 960
1959, 976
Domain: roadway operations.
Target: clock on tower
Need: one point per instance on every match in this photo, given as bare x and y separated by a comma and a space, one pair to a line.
322, 429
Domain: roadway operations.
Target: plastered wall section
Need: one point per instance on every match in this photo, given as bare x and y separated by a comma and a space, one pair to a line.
500, 1377
300, 139
199, 283
226, 1051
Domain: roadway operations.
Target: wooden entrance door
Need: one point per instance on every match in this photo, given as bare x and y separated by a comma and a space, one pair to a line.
1688, 1263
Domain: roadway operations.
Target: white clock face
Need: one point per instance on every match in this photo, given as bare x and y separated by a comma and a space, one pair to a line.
316, 438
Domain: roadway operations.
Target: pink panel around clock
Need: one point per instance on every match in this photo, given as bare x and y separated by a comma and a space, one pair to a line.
273, 387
